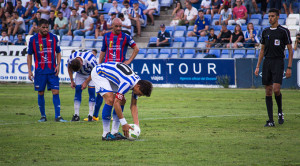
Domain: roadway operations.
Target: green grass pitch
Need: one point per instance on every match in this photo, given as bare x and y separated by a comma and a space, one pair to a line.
178, 127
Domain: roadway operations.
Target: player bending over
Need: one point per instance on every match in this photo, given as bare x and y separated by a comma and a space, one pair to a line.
118, 78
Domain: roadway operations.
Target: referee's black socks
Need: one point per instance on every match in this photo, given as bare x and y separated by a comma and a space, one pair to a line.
279, 103
269, 103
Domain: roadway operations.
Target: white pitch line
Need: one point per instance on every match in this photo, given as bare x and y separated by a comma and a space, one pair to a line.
185, 117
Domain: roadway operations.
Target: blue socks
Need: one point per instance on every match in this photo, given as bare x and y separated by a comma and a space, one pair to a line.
78, 92
56, 102
99, 100
114, 113
41, 103
106, 112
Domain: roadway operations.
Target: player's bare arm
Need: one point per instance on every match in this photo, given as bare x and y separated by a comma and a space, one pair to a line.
58, 64
134, 110
29, 63
86, 82
134, 53
288, 72
260, 57
70, 71
101, 57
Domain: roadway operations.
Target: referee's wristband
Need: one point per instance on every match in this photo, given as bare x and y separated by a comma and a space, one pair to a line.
123, 121
289, 67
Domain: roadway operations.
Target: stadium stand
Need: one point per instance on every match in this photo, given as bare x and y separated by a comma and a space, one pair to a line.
66, 40
152, 53
77, 41
164, 53
226, 53
190, 42
180, 31
178, 41
239, 53
142, 53
188, 53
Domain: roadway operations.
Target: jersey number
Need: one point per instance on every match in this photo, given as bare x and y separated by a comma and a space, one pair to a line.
124, 68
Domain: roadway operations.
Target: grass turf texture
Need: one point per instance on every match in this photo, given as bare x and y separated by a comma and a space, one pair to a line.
179, 127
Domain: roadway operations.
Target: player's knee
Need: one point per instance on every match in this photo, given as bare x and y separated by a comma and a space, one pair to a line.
277, 91
109, 101
41, 93
55, 91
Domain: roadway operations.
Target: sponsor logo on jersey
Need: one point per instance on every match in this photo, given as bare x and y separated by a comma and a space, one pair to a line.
276, 42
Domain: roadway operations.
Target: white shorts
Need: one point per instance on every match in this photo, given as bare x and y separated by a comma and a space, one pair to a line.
103, 85
80, 78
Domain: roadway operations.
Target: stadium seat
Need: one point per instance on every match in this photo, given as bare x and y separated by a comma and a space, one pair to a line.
255, 19
202, 39
178, 41
231, 28
152, 40
176, 54
188, 53
215, 52
77, 41
166, 3
200, 55
226, 53
164, 53
190, 29
215, 18
244, 28
190, 42
142, 53
265, 20
180, 31
65, 41
171, 29
106, 7
208, 16
239, 53
217, 27
283, 16
294, 29
151, 53
201, 45
252, 54
89, 43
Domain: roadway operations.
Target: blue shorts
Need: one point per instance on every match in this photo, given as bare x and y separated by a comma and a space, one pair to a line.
41, 80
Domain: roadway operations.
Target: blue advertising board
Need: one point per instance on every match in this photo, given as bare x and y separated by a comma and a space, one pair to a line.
184, 71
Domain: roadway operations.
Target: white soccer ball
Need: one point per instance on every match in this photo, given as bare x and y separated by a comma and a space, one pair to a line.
135, 133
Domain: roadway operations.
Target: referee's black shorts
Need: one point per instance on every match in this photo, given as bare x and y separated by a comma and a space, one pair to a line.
272, 71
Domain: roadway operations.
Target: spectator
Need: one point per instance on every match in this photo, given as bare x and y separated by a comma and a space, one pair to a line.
264, 4
163, 38
115, 9
94, 4
4, 40
126, 24
73, 21
30, 12
17, 25
54, 9
109, 22
223, 37
85, 26
66, 12
287, 5
35, 23
102, 3
297, 47
196, 3
126, 10
101, 26
212, 39
201, 25
249, 4
20, 9
250, 36
92, 11
223, 3
225, 16
6, 21
137, 18
178, 14
56, 3
60, 25
152, 7
239, 14
78, 8
190, 15
51, 20
215, 6
20, 40
275, 4
205, 6
237, 38
45, 10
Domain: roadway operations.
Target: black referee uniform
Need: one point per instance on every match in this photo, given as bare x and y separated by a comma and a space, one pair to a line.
274, 40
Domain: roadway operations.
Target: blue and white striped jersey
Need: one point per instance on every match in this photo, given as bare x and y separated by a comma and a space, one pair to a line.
88, 59
120, 74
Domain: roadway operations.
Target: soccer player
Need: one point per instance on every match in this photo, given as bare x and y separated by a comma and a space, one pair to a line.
44, 46
82, 62
273, 42
118, 78
114, 49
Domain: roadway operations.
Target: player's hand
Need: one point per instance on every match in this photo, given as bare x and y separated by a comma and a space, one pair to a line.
125, 129
126, 62
288, 73
256, 71
57, 70
73, 85
83, 85
30, 75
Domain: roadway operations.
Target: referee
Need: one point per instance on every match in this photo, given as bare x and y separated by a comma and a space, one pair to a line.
273, 42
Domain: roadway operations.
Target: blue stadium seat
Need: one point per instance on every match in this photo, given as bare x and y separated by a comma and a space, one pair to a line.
178, 41
176, 54
142, 53
226, 53
106, 7
255, 19
190, 29
282, 16
252, 54
152, 40
171, 29
239, 53
188, 53
201, 45
190, 42
106, 17
77, 41
164, 53
244, 28
215, 18
166, 3
65, 41
208, 16
89, 43
215, 52
217, 27
180, 31
200, 55
151, 53
265, 22
202, 39
231, 27
281, 21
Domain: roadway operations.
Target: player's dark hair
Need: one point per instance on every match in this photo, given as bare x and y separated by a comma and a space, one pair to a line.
120, 15
75, 65
95, 50
43, 21
145, 87
274, 11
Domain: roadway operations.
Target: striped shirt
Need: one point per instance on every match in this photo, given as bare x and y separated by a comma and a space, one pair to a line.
120, 74
44, 48
115, 46
88, 59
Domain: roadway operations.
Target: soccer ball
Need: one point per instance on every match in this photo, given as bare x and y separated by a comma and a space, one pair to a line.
135, 133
